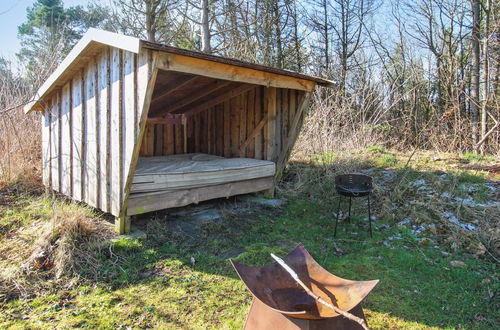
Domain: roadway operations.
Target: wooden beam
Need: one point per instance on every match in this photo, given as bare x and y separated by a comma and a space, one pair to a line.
270, 104
163, 200
219, 99
203, 67
178, 85
122, 222
254, 133
167, 119
196, 96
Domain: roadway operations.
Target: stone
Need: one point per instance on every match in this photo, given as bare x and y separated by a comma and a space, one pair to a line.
457, 263
268, 202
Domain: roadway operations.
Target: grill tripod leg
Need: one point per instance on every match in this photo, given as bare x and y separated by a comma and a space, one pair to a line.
369, 216
337, 218
349, 214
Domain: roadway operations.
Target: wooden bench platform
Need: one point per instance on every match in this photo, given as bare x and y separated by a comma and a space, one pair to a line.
178, 180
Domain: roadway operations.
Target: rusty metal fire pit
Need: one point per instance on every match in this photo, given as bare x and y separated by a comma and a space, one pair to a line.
279, 303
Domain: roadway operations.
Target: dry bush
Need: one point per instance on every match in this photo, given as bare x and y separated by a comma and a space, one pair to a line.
335, 122
20, 142
20, 133
397, 116
71, 244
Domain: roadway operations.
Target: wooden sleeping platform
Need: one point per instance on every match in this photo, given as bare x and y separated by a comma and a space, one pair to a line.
178, 180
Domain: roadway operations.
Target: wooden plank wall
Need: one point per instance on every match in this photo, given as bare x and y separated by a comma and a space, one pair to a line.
91, 125
224, 128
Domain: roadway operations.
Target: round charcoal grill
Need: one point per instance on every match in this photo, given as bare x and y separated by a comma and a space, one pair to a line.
353, 185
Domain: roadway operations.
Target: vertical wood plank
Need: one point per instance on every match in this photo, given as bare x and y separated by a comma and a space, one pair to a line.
115, 155
270, 138
136, 96
83, 136
65, 141
46, 148
219, 113
76, 128
121, 129
109, 163
209, 130
103, 113
278, 122
54, 142
197, 132
250, 150
258, 116
70, 128
284, 116
91, 140
190, 129
179, 148
227, 129
242, 109
170, 146
235, 127
97, 133
292, 106
293, 133
158, 143
129, 115
60, 151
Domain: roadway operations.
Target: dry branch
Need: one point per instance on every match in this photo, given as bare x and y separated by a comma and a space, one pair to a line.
294, 275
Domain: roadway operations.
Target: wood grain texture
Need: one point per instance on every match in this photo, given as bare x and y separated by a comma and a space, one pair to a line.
177, 198
115, 156
91, 142
223, 71
46, 168
103, 97
96, 122
270, 138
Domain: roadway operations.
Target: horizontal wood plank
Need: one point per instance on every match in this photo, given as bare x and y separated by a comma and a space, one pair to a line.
177, 198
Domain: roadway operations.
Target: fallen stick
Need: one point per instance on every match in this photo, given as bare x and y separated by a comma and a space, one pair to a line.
294, 275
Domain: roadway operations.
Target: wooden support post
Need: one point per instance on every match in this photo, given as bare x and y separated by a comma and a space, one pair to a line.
122, 224
184, 128
270, 104
293, 133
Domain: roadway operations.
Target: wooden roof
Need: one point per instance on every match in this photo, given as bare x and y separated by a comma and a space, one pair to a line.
94, 39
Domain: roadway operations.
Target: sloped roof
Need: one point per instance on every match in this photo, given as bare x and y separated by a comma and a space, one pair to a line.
95, 37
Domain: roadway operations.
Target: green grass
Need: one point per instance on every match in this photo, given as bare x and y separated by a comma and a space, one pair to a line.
473, 157
151, 282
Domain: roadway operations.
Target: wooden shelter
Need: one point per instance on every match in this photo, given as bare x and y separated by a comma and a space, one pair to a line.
131, 126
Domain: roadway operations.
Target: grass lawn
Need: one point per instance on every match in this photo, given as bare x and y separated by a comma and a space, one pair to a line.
150, 280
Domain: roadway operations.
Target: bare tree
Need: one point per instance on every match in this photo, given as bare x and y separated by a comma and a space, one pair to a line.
154, 20
474, 93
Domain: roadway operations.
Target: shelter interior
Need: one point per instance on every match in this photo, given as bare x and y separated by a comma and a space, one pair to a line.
197, 114
200, 116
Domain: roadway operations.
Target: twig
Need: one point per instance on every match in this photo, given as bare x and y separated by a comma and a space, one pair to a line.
14, 107
294, 275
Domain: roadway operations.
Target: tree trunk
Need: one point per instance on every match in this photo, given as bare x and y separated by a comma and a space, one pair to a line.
484, 116
326, 37
205, 28
474, 93
150, 25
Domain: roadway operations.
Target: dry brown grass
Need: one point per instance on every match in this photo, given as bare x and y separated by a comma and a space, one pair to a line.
396, 198
365, 118
20, 134
71, 244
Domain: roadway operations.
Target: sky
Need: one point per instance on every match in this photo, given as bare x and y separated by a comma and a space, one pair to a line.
12, 14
